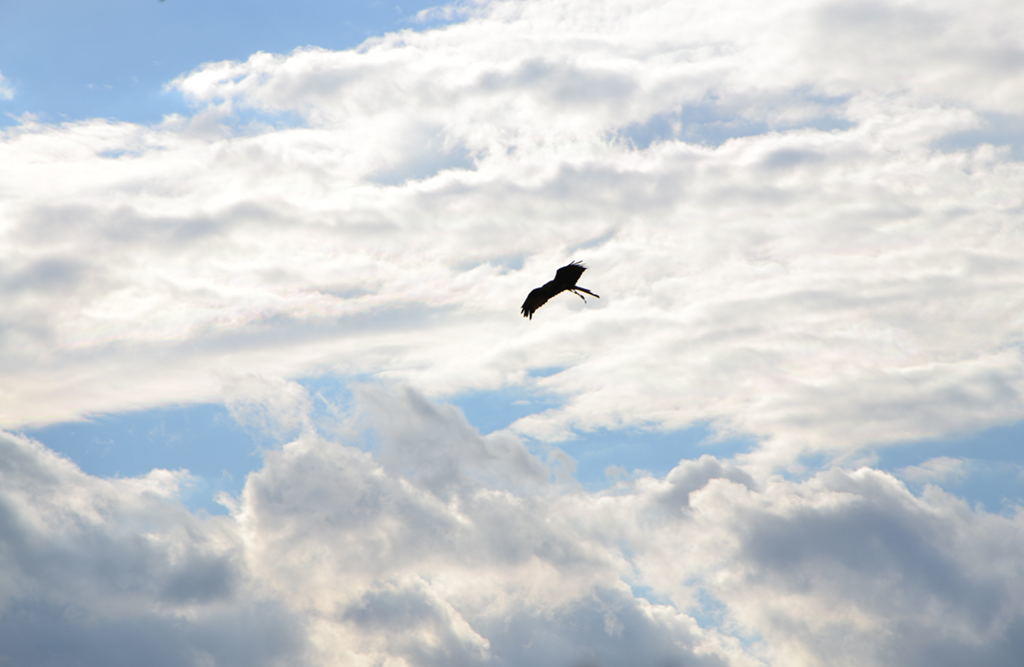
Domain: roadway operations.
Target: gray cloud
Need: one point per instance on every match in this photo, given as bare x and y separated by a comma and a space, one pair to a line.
851, 559
49, 273
36, 632
338, 553
117, 572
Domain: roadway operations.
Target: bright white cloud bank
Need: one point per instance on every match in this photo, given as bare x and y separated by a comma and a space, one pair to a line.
805, 222
443, 547
795, 226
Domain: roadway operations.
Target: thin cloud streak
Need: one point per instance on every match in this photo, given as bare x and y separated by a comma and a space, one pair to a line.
6, 88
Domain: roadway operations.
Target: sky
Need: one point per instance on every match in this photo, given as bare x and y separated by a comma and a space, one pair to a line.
266, 396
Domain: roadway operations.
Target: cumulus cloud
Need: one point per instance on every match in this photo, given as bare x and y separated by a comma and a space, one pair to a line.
823, 568
117, 572
336, 554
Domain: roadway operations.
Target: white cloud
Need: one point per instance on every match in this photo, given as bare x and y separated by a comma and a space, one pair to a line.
6, 89
338, 554
936, 470
269, 406
785, 241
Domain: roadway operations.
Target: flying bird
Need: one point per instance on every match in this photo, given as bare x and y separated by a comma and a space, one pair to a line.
565, 280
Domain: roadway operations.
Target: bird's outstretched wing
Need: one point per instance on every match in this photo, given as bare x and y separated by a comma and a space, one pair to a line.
569, 274
538, 297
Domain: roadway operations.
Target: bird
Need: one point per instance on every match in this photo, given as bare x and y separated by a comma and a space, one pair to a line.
565, 280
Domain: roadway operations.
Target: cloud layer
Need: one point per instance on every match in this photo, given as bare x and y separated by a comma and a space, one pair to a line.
350, 554
804, 222
794, 225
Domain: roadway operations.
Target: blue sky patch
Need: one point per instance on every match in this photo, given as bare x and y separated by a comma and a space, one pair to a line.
84, 72
494, 410
991, 472
202, 438
603, 455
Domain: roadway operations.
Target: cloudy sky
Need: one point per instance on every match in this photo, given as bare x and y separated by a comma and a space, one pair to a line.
266, 397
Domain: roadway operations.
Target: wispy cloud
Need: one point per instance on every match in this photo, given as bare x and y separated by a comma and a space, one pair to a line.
793, 248
937, 470
6, 89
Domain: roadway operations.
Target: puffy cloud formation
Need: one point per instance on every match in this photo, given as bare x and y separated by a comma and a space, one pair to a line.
803, 220
345, 554
118, 572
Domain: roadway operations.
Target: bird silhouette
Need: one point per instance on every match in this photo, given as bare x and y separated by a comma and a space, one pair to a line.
564, 281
